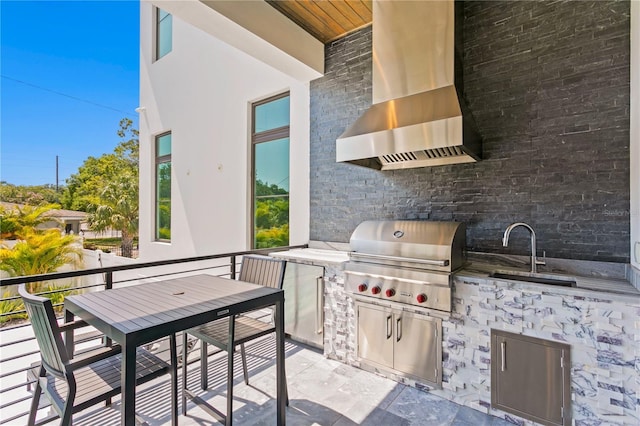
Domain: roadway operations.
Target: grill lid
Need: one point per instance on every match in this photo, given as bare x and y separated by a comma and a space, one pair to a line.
420, 244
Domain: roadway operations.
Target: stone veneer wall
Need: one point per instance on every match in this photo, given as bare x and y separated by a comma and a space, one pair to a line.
339, 318
603, 332
548, 85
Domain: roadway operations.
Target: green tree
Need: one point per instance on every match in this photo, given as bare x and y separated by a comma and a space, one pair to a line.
16, 221
34, 195
107, 188
163, 194
271, 215
40, 252
85, 187
266, 189
117, 208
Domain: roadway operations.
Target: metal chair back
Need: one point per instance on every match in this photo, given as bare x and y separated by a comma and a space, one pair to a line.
263, 270
45, 327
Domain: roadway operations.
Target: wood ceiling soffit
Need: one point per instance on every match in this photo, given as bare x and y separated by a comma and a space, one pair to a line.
326, 20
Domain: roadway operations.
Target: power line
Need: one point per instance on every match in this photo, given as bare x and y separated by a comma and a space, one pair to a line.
65, 94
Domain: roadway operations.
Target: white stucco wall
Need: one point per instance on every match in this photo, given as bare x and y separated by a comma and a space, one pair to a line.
635, 134
201, 91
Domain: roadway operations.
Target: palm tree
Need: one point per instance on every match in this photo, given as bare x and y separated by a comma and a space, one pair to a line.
118, 209
18, 218
40, 252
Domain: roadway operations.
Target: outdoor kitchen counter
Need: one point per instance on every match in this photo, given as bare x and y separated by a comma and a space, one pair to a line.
339, 314
313, 256
598, 319
599, 324
611, 286
618, 289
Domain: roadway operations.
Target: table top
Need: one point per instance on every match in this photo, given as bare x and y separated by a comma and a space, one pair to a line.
142, 313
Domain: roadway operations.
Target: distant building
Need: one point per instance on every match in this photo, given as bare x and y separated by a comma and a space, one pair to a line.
70, 220
66, 220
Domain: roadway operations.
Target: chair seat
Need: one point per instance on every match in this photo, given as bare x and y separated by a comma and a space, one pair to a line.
217, 332
101, 379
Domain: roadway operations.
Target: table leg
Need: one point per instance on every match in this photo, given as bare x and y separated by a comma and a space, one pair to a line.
174, 379
230, 349
185, 356
280, 372
128, 380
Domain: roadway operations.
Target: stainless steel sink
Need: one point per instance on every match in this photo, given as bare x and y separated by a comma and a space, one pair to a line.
535, 278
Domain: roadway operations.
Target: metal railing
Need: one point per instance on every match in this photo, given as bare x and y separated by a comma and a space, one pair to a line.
18, 347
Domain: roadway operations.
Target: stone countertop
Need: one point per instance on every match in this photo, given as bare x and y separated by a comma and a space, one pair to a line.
313, 256
618, 288
480, 269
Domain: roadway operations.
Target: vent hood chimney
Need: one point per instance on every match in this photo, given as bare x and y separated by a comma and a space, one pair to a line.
418, 117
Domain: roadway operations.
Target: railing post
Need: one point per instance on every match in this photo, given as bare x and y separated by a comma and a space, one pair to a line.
233, 267
108, 281
108, 285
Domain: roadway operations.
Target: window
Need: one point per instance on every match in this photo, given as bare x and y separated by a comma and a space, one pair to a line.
163, 187
270, 154
164, 37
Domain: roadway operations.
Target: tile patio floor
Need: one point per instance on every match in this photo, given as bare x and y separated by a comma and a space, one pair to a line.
321, 391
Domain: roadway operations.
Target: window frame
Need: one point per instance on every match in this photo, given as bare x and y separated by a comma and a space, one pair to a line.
158, 160
263, 137
156, 25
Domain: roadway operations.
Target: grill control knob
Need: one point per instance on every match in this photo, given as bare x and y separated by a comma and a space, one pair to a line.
421, 298
362, 287
375, 290
390, 292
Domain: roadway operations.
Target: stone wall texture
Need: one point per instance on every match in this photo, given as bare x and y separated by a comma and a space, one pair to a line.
602, 330
548, 86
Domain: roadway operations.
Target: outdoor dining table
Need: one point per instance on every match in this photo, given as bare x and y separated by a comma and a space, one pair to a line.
139, 314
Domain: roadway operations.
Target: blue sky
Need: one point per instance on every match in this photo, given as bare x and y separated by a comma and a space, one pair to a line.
69, 74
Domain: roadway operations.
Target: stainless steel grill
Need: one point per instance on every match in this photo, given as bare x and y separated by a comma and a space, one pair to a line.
407, 262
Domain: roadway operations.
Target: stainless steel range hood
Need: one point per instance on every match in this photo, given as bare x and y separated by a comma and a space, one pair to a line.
418, 117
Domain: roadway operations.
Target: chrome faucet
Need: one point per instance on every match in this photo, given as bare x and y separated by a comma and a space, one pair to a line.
534, 260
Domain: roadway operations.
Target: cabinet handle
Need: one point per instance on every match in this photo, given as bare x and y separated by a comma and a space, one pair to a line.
319, 305
503, 355
398, 329
389, 329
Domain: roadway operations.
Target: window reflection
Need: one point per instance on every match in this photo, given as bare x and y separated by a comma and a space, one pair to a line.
271, 173
163, 187
164, 36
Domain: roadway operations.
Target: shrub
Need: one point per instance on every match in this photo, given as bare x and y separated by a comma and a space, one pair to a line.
8, 305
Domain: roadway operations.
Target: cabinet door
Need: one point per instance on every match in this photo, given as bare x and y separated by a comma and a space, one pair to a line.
375, 335
303, 303
417, 349
530, 378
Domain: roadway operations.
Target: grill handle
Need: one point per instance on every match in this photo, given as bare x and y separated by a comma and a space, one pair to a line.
361, 256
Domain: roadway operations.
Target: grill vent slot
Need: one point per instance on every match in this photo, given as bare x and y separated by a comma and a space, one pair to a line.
448, 151
399, 157
427, 154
